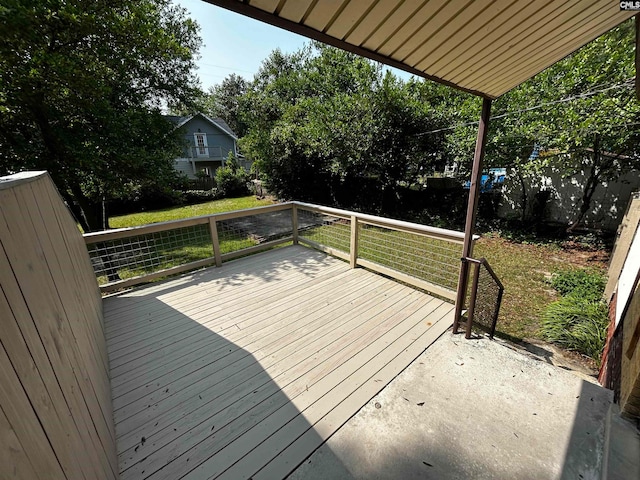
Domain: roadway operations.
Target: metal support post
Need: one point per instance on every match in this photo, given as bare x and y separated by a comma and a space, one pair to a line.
472, 208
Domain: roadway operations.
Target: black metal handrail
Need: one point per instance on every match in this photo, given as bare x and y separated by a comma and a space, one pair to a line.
485, 298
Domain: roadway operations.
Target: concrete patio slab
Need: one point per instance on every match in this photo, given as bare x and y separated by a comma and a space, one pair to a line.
471, 409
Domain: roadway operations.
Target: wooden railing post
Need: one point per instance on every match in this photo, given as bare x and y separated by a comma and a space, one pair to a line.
353, 250
213, 227
294, 223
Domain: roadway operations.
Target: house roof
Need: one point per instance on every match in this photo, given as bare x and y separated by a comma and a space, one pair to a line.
177, 119
486, 47
217, 121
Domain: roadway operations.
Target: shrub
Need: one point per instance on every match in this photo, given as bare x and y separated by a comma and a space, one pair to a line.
577, 324
232, 182
200, 196
586, 284
146, 196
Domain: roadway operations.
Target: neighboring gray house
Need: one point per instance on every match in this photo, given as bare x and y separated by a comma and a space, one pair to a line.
208, 144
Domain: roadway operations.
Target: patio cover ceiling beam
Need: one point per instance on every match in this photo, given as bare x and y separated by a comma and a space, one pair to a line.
301, 29
484, 47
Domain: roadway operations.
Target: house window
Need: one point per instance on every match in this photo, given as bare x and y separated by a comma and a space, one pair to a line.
201, 144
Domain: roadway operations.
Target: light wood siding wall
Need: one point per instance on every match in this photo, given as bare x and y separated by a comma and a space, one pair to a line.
630, 372
56, 417
625, 268
623, 294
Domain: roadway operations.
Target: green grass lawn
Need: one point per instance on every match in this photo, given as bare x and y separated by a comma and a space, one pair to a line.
176, 213
525, 271
162, 250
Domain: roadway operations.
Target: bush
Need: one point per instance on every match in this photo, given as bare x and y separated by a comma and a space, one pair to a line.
577, 324
146, 196
579, 320
200, 196
586, 284
232, 182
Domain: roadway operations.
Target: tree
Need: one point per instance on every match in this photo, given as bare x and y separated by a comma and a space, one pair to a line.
225, 101
600, 130
402, 112
328, 126
583, 107
82, 83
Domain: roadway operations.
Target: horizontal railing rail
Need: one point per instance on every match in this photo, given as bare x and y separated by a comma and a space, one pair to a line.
95, 237
485, 298
426, 230
419, 255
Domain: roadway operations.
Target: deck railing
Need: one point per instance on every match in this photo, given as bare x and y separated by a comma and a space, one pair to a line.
213, 152
421, 256
485, 298
129, 256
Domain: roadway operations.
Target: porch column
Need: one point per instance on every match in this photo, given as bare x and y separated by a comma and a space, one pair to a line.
472, 209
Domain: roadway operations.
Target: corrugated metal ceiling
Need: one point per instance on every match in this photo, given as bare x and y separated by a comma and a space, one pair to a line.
486, 47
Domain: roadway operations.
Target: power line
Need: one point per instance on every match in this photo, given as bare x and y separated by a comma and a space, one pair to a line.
226, 68
584, 130
627, 83
212, 75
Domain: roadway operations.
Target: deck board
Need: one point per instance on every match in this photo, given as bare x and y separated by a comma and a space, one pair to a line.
218, 316
271, 335
243, 371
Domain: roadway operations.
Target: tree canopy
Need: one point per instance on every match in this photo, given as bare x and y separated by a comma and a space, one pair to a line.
578, 116
329, 126
225, 101
82, 83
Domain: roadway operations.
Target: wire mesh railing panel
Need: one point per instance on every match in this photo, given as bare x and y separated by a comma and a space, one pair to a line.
325, 229
430, 259
138, 255
415, 254
239, 233
488, 298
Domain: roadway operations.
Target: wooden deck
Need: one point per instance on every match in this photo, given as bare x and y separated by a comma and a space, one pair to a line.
243, 371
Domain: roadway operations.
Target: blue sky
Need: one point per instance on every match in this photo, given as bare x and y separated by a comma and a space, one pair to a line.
233, 43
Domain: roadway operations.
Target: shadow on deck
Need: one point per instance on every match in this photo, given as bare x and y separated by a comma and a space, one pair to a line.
243, 371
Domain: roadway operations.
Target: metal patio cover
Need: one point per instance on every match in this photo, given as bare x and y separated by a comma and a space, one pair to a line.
480, 46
